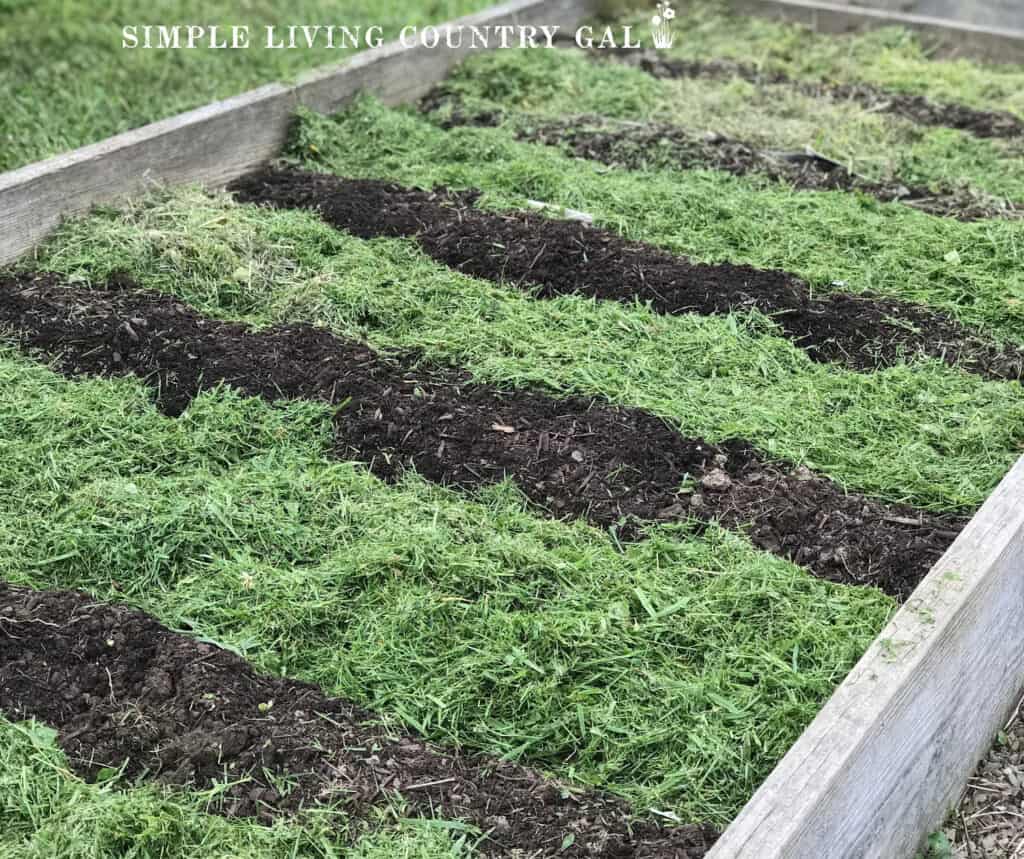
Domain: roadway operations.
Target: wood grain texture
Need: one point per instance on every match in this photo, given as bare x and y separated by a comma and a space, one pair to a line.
946, 37
887, 756
216, 143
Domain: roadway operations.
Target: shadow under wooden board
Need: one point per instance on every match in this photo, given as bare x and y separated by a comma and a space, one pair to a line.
888, 754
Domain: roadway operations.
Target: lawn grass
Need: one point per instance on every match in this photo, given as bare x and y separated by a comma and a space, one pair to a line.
675, 671
834, 240
65, 80
889, 57
877, 145
47, 812
927, 434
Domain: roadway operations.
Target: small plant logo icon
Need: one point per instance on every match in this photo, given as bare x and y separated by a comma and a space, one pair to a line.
661, 25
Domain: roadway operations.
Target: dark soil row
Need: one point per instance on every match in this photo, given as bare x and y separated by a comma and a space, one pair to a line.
916, 108
122, 690
560, 257
573, 458
642, 146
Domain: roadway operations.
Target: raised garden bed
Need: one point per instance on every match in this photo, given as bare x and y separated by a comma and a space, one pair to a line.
461, 476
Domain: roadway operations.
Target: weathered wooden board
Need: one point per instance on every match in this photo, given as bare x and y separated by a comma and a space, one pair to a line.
888, 755
988, 13
949, 38
220, 141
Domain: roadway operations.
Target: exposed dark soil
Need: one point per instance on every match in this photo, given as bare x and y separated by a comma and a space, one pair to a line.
643, 146
916, 108
574, 458
122, 690
559, 257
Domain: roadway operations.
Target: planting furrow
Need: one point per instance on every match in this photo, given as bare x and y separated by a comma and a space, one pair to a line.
915, 108
124, 691
574, 458
653, 145
560, 257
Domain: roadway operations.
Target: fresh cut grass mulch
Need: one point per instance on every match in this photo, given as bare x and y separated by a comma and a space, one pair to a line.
541, 85
675, 671
924, 433
833, 240
48, 811
890, 57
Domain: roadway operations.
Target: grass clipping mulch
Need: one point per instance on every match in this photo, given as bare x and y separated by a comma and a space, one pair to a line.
559, 257
654, 145
615, 467
125, 692
916, 108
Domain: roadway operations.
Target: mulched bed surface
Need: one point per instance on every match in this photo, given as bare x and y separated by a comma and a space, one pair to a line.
560, 257
122, 690
989, 821
615, 467
651, 145
916, 108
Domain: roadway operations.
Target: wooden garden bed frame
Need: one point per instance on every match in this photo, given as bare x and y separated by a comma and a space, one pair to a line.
887, 756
